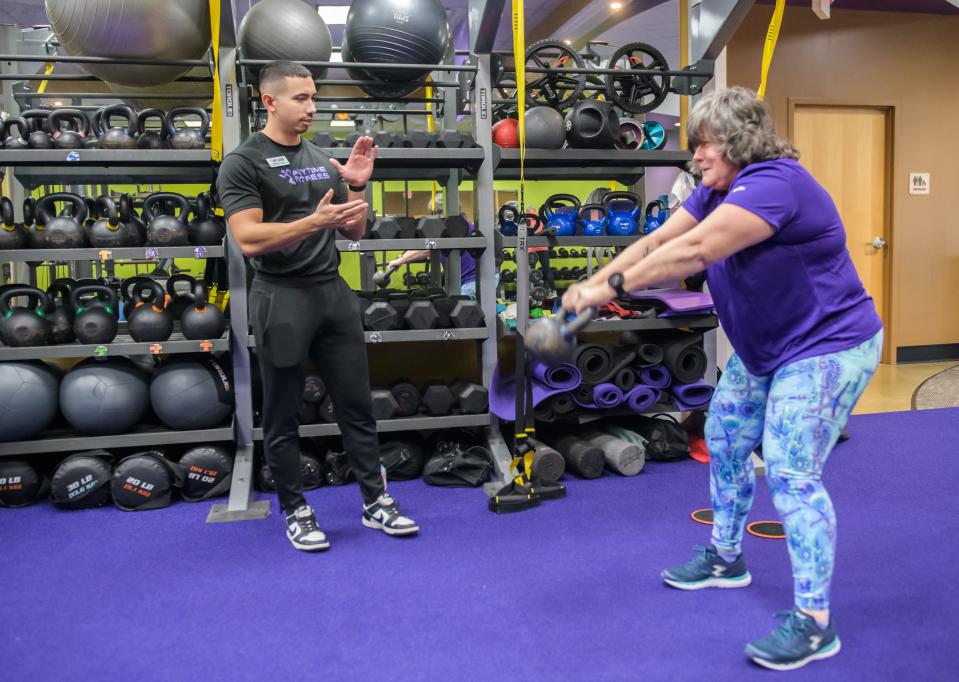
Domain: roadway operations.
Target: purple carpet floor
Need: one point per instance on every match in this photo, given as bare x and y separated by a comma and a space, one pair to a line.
568, 591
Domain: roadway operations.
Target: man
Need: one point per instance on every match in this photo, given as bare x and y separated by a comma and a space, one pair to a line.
285, 200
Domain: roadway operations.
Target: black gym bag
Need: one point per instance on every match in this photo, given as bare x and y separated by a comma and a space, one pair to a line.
82, 481
311, 469
338, 471
20, 483
458, 461
667, 440
402, 457
145, 480
206, 471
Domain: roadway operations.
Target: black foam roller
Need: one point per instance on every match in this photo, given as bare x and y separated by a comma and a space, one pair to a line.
582, 458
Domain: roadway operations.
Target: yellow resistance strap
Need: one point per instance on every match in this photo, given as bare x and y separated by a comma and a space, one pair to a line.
519, 57
47, 70
772, 35
216, 124
431, 127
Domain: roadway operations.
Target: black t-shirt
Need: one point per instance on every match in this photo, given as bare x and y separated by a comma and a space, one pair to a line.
287, 183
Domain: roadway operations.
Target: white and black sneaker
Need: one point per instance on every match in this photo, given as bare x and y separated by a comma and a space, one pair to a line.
385, 515
303, 532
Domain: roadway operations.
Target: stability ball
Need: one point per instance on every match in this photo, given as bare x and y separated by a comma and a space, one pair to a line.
192, 392
285, 29
103, 397
545, 128
506, 133
29, 394
137, 29
398, 31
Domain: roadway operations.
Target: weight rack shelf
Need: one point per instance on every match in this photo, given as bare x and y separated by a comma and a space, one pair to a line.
627, 166
413, 335
510, 242
704, 322
401, 163
127, 253
411, 244
395, 425
106, 166
122, 345
71, 441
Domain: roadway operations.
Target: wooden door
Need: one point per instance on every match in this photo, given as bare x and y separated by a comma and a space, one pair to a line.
847, 149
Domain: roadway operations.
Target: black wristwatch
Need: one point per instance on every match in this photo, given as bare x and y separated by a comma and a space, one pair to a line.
616, 281
354, 188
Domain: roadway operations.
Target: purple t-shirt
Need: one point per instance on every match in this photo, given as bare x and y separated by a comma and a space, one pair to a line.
467, 262
796, 294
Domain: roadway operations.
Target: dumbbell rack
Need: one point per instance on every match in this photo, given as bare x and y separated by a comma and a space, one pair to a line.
35, 168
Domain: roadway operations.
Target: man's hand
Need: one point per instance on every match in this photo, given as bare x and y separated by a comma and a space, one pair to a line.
330, 216
359, 167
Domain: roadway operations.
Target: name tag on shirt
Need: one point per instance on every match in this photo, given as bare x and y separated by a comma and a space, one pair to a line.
278, 161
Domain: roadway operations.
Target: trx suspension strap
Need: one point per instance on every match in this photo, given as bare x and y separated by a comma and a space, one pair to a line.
772, 35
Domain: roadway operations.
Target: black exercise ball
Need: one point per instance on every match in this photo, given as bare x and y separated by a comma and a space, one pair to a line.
102, 397
545, 128
192, 392
20, 483
29, 395
285, 29
397, 31
592, 124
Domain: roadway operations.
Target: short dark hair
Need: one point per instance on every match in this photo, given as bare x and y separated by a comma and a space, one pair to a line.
281, 69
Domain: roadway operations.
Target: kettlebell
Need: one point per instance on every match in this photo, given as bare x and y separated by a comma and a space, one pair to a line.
39, 137
22, 141
23, 326
592, 124
166, 230
656, 220
207, 228
94, 324
559, 213
152, 139
12, 236
60, 312
202, 320
180, 301
590, 226
126, 292
74, 136
129, 217
149, 320
625, 213
63, 231
508, 218
107, 231
117, 137
185, 137
36, 239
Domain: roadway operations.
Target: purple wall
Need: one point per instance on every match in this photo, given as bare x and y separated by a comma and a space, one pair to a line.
660, 180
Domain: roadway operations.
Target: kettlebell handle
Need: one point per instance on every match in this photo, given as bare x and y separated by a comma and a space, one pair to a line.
98, 289
593, 207
29, 211
172, 115
623, 196
36, 118
32, 294
22, 126
123, 111
126, 288
6, 213
71, 117
203, 206
504, 214
157, 296
146, 114
560, 201
157, 197
62, 286
199, 296
46, 202
657, 204
179, 277
107, 208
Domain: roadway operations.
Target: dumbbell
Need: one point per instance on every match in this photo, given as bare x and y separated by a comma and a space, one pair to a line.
325, 411
437, 399
384, 227
421, 314
415, 140
384, 404
507, 276
423, 279
400, 302
471, 398
562, 253
456, 227
536, 276
384, 139
314, 390
467, 313
407, 226
409, 279
380, 316
407, 398
430, 227
537, 295
325, 140
309, 413
352, 139
451, 139
443, 305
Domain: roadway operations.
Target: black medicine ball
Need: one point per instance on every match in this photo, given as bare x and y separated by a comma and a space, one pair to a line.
144, 481
82, 481
206, 471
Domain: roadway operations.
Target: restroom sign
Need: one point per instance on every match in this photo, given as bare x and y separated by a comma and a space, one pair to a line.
919, 183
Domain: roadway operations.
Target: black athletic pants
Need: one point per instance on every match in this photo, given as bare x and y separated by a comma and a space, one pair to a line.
320, 322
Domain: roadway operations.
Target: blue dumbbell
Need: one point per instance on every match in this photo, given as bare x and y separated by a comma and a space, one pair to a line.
590, 225
559, 214
624, 213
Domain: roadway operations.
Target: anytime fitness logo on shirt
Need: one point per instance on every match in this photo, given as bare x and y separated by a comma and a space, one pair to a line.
297, 176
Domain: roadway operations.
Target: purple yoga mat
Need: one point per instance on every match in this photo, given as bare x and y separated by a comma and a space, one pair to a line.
606, 396
693, 396
678, 301
641, 398
565, 376
656, 376
502, 395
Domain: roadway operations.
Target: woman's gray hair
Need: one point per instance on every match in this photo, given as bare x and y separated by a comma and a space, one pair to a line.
737, 121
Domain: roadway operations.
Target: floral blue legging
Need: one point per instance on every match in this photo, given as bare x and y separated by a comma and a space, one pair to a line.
798, 413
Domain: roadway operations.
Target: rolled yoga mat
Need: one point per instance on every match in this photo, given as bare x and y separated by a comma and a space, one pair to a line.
544, 413
606, 396
562, 403
642, 398
684, 358
625, 379
693, 396
565, 376
656, 376
594, 362
548, 465
582, 458
624, 458
649, 354
502, 395
583, 396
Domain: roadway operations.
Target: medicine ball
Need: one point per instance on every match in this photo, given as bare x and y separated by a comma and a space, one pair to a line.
192, 392
102, 397
144, 480
592, 124
82, 481
20, 483
206, 471
285, 29
29, 395
545, 128
506, 133
397, 31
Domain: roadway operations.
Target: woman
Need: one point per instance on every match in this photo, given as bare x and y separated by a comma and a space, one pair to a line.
807, 341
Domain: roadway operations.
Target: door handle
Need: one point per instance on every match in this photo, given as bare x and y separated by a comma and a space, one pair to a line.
878, 243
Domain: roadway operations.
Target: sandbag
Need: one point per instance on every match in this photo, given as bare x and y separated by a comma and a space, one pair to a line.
402, 457
144, 480
82, 481
206, 472
20, 483
457, 460
667, 441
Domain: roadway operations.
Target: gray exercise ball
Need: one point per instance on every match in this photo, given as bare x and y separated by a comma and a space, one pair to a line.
397, 31
147, 29
103, 397
29, 395
285, 29
545, 128
192, 392
200, 93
